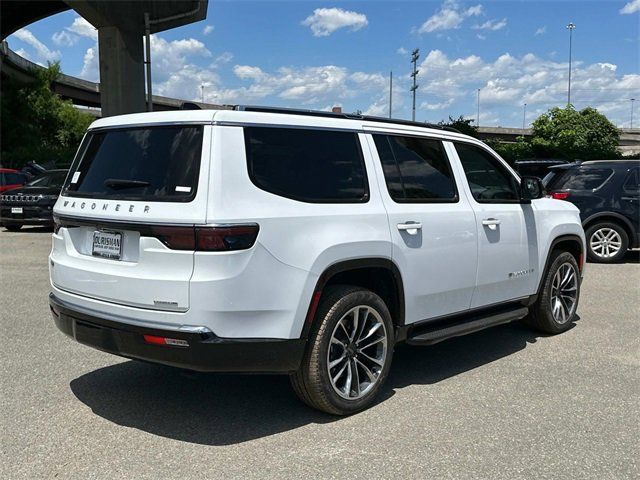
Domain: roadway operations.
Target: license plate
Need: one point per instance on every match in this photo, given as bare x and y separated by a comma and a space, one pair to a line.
107, 244
16, 209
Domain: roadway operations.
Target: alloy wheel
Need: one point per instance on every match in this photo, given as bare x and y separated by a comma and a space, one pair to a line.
605, 242
357, 352
564, 293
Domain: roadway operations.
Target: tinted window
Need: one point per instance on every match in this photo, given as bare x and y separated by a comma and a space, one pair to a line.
415, 169
582, 179
632, 184
54, 180
307, 165
151, 163
488, 179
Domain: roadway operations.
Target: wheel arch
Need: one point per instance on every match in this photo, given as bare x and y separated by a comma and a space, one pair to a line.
568, 243
613, 217
381, 275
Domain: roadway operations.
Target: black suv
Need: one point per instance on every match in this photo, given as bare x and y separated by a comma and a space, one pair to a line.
33, 203
607, 193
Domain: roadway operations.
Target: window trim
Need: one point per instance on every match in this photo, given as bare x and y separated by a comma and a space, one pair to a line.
499, 161
456, 193
335, 201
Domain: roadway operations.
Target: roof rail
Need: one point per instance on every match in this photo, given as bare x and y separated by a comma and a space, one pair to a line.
350, 116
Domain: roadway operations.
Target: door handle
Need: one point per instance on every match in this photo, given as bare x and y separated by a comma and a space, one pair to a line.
410, 227
492, 223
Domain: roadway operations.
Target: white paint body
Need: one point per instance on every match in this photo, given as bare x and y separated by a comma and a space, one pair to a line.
453, 263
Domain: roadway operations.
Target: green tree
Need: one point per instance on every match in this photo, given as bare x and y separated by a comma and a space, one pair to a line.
37, 125
463, 125
571, 134
512, 151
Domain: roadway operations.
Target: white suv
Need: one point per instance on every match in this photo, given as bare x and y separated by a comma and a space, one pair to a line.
306, 243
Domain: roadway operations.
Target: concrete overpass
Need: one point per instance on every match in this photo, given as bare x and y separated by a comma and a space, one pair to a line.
121, 27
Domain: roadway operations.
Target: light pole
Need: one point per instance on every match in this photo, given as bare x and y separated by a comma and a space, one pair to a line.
478, 112
202, 92
390, 93
414, 59
571, 27
632, 100
524, 116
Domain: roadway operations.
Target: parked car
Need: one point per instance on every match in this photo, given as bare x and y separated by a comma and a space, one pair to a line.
536, 167
10, 179
304, 243
608, 196
33, 203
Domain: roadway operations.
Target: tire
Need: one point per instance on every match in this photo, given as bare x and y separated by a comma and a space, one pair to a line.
603, 239
547, 315
313, 380
13, 228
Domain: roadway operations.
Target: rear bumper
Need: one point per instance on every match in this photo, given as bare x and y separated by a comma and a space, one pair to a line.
206, 352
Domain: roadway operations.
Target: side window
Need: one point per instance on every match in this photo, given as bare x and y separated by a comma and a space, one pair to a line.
416, 169
489, 181
320, 166
632, 184
584, 178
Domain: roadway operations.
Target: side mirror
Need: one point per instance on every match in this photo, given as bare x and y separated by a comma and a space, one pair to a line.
531, 188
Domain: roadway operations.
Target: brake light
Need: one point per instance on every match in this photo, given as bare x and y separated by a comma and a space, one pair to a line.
560, 195
206, 239
236, 237
176, 238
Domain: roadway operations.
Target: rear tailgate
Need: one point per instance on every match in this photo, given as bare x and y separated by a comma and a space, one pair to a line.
125, 218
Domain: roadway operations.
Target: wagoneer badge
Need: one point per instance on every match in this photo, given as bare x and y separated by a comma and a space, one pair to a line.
105, 206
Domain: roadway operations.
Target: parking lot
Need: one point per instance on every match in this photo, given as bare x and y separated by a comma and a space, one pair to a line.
503, 403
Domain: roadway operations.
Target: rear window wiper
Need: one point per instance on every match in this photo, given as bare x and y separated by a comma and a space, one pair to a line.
121, 183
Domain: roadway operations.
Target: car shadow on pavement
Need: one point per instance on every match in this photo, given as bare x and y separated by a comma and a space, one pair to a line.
219, 409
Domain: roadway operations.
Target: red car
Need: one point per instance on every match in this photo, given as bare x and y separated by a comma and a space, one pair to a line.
10, 179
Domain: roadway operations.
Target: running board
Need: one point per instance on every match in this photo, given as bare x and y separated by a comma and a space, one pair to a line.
439, 331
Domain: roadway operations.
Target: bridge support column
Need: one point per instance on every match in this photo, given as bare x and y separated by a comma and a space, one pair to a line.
121, 71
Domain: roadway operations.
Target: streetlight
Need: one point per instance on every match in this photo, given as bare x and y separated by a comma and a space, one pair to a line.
524, 116
202, 91
478, 113
570, 27
632, 100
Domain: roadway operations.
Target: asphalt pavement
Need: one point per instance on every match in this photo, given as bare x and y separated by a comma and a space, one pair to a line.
506, 403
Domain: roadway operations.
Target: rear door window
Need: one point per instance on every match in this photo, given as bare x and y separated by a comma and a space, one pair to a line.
147, 163
416, 169
316, 166
582, 179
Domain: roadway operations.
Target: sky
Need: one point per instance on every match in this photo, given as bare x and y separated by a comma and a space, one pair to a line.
314, 54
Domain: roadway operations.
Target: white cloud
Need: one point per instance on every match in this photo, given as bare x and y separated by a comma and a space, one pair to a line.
42, 52
223, 58
90, 66
64, 39
541, 30
631, 7
494, 25
449, 16
83, 28
402, 51
207, 29
325, 21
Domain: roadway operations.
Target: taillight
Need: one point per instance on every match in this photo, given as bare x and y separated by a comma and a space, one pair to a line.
560, 195
206, 239
234, 237
176, 238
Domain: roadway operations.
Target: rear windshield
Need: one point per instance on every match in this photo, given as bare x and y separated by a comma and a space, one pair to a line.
149, 163
580, 179
52, 180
